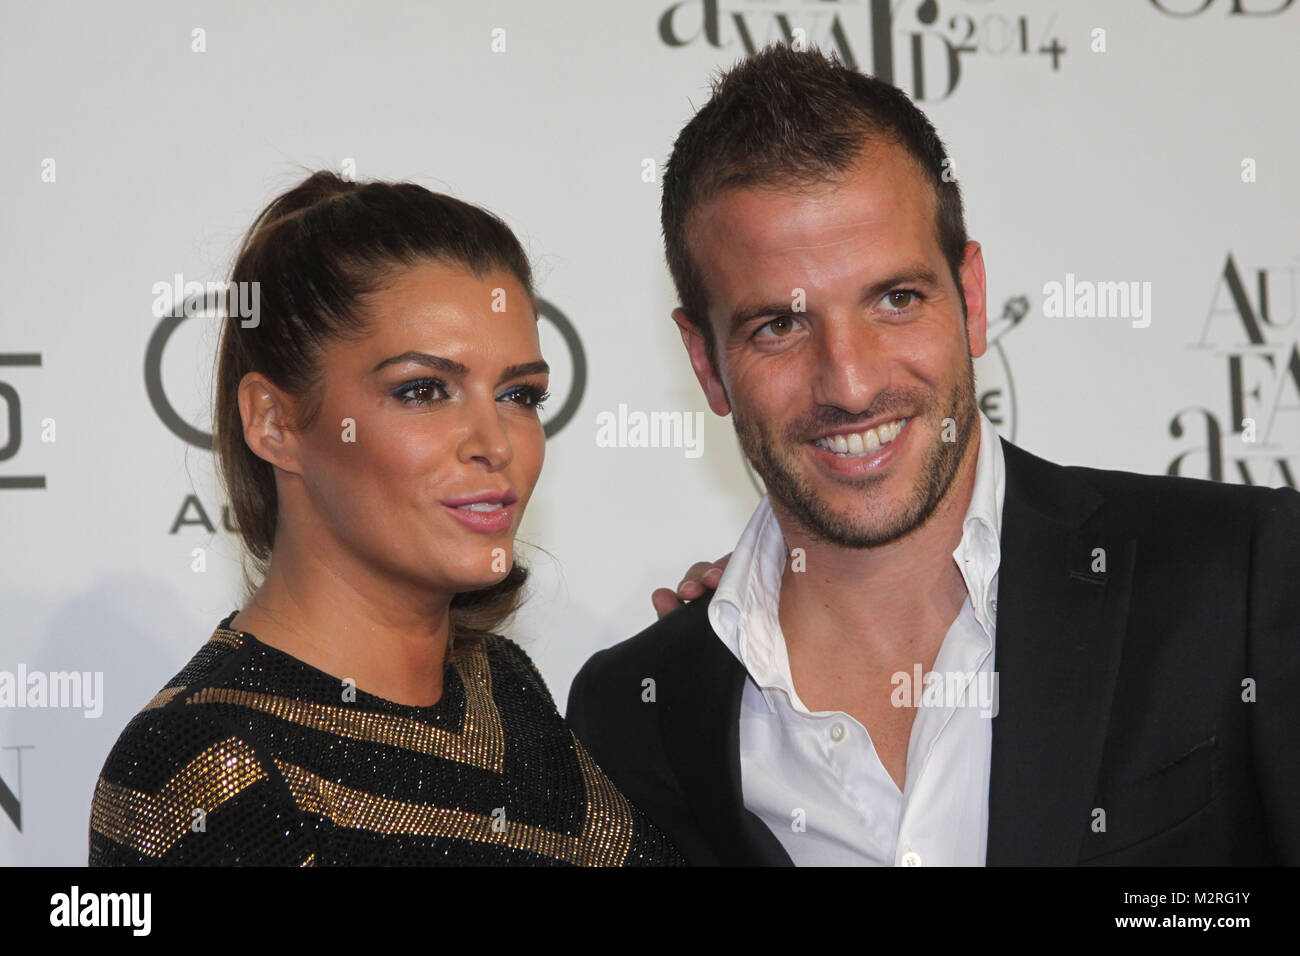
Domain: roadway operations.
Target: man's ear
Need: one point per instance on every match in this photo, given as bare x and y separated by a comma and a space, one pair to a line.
698, 350
265, 411
972, 286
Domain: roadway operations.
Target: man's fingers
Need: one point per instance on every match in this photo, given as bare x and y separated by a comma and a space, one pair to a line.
697, 572
702, 576
665, 602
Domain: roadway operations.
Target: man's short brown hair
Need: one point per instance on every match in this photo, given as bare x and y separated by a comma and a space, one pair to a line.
784, 118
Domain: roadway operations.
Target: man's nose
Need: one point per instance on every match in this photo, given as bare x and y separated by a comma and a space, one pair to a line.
853, 364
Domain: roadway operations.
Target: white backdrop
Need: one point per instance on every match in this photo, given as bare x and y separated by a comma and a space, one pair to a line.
142, 137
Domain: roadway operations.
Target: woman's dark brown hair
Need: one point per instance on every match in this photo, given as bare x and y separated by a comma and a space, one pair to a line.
316, 253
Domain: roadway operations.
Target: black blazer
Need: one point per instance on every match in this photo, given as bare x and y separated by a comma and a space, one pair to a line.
1164, 690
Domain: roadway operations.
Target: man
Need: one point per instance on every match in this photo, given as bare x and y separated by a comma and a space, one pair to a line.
1142, 634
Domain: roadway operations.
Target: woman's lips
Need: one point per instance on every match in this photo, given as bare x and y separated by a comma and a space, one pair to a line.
489, 512
487, 522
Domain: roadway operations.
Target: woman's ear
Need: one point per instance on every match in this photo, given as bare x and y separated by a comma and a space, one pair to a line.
266, 412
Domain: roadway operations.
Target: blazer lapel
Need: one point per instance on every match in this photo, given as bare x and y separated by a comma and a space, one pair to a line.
1060, 626
699, 718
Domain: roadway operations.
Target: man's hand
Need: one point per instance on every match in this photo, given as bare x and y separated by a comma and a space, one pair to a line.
701, 577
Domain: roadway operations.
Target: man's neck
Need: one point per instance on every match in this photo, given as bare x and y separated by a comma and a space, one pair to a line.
878, 600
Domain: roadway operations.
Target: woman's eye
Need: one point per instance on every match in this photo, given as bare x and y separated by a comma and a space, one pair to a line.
529, 396
422, 392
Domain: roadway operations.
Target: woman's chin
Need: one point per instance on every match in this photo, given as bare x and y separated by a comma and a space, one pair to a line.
476, 578
479, 584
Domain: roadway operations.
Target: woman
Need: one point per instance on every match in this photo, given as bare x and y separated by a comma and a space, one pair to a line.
377, 433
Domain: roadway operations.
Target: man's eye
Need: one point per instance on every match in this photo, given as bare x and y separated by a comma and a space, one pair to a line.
900, 299
781, 326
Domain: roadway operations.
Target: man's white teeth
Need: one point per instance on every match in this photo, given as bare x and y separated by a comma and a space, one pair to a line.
863, 443
481, 506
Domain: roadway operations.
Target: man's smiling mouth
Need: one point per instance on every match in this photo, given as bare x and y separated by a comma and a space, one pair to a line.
865, 442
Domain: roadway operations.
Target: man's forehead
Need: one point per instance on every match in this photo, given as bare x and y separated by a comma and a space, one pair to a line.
885, 190
876, 185
811, 241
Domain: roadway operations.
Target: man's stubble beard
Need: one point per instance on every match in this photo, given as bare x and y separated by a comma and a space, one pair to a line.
940, 464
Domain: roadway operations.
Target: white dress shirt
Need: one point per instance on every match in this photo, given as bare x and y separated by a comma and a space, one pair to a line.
815, 779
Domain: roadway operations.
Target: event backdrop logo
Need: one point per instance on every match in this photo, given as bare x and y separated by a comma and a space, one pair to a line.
13, 419
919, 46
11, 800
1251, 329
1231, 8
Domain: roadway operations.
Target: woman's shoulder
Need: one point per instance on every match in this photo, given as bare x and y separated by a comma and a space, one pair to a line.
183, 785
505, 656
224, 652
217, 654
166, 729
180, 789
616, 830
517, 686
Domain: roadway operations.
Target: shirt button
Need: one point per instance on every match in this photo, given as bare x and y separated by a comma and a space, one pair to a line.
837, 733
994, 605
911, 858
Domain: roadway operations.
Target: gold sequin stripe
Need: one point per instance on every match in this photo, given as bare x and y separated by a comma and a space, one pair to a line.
220, 636
609, 816
224, 635
605, 839
480, 743
152, 824
163, 697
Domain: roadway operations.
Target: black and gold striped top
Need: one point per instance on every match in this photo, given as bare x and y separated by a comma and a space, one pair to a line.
250, 756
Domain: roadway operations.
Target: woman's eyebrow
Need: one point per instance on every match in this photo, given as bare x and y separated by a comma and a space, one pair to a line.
452, 367
528, 368
449, 366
